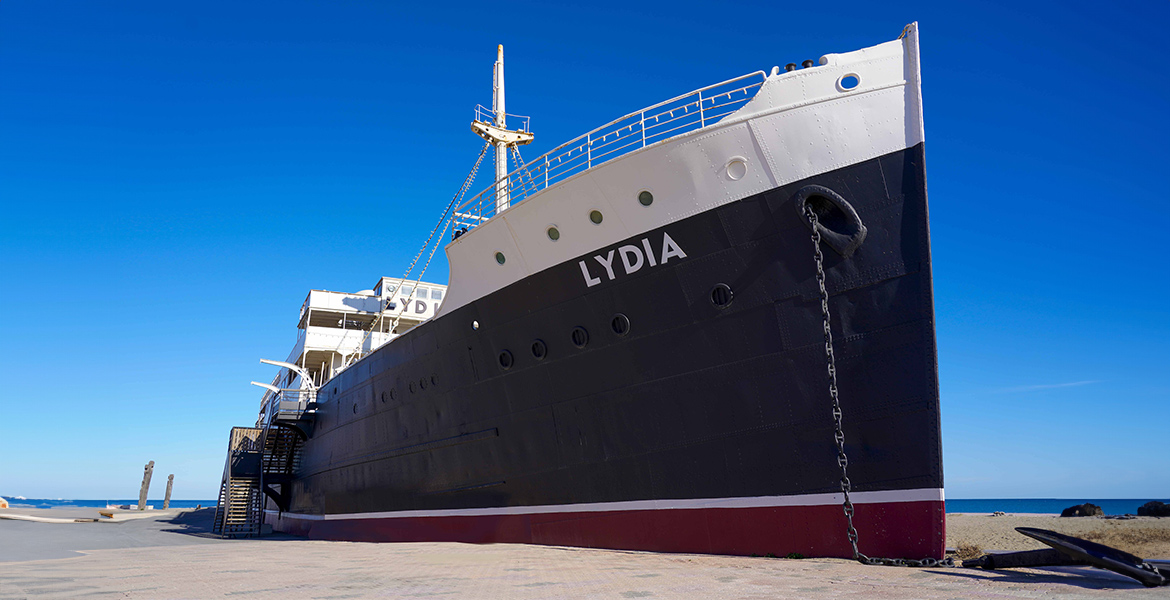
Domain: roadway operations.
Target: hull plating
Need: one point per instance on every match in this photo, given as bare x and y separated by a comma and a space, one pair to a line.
694, 401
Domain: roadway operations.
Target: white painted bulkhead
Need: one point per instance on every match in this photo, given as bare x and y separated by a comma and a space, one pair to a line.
799, 124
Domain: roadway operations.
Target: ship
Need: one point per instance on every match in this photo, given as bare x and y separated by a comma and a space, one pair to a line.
706, 327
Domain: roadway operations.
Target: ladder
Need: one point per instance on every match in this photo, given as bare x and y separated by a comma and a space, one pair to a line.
240, 509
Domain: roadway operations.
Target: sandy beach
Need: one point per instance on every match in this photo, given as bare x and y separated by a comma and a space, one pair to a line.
1148, 537
172, 555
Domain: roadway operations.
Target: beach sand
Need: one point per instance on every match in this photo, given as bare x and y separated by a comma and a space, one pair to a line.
1147, 537
172, 556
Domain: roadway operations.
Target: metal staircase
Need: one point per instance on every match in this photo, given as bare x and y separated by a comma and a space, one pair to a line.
240, 508
261, 462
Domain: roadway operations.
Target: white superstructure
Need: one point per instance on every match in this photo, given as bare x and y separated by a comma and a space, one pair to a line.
335, 327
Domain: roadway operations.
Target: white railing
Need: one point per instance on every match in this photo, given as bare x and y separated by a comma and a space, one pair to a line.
683, 114
484, 114
289, 403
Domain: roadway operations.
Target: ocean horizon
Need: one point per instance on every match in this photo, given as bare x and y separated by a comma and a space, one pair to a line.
1111, 506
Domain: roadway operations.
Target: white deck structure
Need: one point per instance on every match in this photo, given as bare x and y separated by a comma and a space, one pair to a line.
335, 327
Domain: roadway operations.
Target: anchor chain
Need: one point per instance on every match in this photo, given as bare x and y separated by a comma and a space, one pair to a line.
839, 432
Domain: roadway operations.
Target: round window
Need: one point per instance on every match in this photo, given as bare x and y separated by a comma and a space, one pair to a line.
500, 258
645, 198
595, 216
554, 234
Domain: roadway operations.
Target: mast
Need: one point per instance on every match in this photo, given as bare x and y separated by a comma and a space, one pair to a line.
503, 197
497, 133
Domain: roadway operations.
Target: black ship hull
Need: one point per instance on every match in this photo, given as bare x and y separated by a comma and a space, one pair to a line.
621, 400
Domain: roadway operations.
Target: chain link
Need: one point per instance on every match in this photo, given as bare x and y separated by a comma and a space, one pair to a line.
839, 431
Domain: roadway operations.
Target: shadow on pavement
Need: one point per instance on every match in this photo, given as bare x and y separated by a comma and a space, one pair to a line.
1083, 577
198, 523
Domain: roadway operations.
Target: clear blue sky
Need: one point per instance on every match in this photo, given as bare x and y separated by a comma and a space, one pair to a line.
175, 176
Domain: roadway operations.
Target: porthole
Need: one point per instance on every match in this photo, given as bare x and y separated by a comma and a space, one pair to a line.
475, 324
334, 391
434, 380
539, 349
736, 168
595, 216
645, 198
620, 324
500, 258
385, 396
554, 234
848, 82
580, 337
412, 387
422, 383
506, 360
721, 295
355, 409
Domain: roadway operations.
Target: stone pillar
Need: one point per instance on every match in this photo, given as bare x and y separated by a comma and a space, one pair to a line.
167, 500
147, 472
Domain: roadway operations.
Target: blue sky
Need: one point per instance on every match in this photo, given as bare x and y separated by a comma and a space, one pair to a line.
174, 178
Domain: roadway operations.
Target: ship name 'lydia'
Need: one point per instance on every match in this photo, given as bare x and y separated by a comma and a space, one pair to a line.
632, 258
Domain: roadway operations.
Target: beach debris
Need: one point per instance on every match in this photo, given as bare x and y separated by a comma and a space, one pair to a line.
1083, 510
148, 470
167, 500
1070, 551
1153, 508
3, 503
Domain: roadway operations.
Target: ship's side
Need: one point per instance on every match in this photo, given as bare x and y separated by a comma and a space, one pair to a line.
657, 381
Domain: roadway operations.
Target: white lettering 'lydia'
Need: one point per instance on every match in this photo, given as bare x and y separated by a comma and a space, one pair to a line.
633, 258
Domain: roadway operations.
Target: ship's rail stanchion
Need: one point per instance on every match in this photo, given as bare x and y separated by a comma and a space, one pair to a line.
682, 114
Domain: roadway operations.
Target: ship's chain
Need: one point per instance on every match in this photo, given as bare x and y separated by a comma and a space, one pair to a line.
839, 432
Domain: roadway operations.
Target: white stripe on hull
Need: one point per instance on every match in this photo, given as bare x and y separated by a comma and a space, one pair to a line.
885, 496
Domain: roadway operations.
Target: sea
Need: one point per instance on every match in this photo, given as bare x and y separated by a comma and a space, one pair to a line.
1111, 506
20, 502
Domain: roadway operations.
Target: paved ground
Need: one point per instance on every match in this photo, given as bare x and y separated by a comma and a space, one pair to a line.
172, 556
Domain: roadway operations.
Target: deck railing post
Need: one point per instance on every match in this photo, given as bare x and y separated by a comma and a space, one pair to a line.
589, 151
642, 122
702, 120
546, 171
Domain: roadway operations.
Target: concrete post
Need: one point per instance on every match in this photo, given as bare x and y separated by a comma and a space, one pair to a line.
147, 472
167, 500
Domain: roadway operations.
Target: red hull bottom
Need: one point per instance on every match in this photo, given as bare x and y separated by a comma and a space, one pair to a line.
889, 529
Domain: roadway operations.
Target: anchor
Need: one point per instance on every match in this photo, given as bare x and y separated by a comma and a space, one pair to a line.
1070, 551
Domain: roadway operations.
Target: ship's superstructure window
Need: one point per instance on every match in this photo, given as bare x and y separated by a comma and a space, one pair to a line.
500, 257
338, 328
645, 198
554, 234
595, 216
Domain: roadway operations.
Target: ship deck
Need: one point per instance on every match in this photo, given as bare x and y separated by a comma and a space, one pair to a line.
173, 555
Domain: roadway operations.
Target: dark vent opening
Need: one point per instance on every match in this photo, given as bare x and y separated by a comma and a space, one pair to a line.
620, 324
506, 360
721, 295
580, 337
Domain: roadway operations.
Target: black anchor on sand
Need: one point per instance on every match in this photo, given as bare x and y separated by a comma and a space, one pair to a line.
1069, 551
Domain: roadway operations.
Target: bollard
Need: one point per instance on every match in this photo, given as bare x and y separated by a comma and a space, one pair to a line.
147, 472
167, 500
